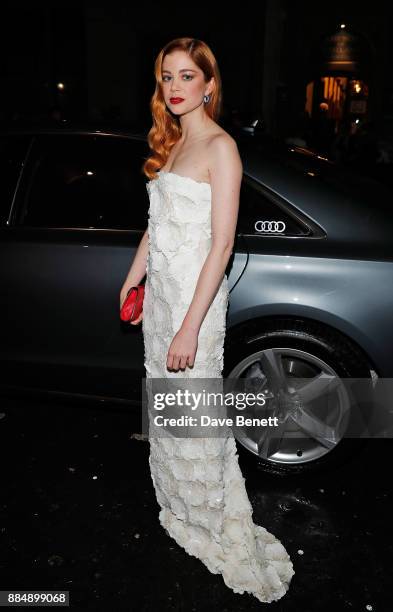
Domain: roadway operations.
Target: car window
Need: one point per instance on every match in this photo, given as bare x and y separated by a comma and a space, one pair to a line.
13, 149
85, 181
262, 214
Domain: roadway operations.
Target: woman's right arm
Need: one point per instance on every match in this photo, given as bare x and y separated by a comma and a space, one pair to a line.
137, 270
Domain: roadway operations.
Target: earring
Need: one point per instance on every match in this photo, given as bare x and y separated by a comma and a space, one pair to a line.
206, 99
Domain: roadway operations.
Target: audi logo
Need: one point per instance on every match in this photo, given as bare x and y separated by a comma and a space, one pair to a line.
271, 227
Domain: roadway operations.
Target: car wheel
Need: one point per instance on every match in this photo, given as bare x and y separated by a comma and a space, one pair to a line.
294, 363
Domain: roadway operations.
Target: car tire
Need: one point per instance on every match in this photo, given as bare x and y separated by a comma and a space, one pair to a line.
303, 346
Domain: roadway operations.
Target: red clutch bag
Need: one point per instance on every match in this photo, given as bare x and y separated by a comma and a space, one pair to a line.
133, 304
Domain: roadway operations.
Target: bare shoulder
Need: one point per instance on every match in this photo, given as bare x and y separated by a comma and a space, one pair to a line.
222, 151
221, 138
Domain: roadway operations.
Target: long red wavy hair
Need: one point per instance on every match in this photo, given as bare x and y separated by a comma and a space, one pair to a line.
166, 129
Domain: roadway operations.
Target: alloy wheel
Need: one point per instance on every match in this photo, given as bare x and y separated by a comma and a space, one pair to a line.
306, 395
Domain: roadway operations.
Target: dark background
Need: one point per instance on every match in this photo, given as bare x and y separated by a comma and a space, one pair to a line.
104, 51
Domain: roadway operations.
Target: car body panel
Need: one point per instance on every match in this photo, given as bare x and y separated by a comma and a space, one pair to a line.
354, 212
348, 295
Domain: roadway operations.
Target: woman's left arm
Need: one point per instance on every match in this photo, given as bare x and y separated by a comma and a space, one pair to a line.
226, 172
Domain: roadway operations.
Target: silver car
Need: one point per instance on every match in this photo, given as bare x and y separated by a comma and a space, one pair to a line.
311, 291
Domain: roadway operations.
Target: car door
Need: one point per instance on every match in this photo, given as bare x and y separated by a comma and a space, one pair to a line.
272, 229
77, 220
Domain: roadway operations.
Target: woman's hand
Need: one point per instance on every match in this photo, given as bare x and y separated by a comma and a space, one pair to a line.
123, 295
182, 349
138, 320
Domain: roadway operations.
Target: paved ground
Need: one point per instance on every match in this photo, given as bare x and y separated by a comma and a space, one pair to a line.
78, 513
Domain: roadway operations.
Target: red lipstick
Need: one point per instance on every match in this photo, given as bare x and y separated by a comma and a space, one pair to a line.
176, 100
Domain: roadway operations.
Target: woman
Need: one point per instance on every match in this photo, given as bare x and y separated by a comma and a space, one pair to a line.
194, 201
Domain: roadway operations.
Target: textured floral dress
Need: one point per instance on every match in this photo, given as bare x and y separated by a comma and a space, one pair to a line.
198, 482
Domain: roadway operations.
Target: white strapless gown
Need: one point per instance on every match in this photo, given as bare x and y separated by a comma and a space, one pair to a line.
198, 481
